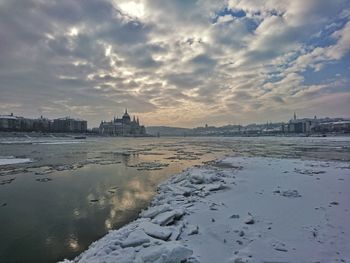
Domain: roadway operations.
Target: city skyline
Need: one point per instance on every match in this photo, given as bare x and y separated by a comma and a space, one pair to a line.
203, 125
175, 63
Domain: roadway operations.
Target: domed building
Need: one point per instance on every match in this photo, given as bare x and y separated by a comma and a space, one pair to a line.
126, 117
122, 127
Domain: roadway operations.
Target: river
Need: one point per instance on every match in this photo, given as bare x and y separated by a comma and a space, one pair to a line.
74, 191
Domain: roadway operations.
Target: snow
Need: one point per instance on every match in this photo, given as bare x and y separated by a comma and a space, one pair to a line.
165, 253
12, 160
249, 220
251, 210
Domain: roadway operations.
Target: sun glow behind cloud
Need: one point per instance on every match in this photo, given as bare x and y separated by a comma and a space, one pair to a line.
134, 9
73, 31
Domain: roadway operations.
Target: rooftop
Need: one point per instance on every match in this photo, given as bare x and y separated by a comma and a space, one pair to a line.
12, 117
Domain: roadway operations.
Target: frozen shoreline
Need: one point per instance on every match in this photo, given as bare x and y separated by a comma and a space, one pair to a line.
240, 210
12, 160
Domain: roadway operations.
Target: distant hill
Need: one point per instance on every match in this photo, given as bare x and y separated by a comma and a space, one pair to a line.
168, 131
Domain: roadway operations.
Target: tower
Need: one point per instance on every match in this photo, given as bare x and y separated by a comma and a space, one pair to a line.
126, 117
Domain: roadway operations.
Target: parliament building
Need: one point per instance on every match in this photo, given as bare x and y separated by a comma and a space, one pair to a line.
122, 127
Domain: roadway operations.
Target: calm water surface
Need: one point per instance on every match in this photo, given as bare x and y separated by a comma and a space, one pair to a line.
74, 192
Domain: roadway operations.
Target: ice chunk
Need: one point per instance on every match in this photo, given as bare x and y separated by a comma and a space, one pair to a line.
214, 187
154, 211
135, 239
156, 231
8, 161
178, 190
168, 217
177, 232
192, 230
201, 178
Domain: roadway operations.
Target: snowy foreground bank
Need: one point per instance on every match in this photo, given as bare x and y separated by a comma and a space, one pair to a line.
240, 210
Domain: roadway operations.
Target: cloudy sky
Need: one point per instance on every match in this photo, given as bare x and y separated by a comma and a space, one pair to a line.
175, 62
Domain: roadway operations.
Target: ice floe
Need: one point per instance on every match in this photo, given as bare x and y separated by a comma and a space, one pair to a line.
12, 160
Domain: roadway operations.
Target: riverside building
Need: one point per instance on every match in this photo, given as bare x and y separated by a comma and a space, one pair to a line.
122, 126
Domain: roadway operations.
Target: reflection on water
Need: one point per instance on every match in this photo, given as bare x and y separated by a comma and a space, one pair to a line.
73, 243
73, 194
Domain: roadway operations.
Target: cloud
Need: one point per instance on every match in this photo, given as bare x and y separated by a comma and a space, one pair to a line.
179, 62
342, 46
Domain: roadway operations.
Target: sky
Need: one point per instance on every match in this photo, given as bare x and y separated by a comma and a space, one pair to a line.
175, 62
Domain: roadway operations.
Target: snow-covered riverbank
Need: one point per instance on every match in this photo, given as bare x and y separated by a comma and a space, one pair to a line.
240, 210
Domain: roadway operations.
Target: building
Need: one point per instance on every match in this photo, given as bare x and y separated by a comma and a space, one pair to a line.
12, 123
300, 125
41, 124
316, 125
336, 127
122, 127
68, 124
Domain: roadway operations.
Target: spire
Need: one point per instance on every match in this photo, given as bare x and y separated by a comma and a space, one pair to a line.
137, 120
134, 120
126, 110
295, 116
